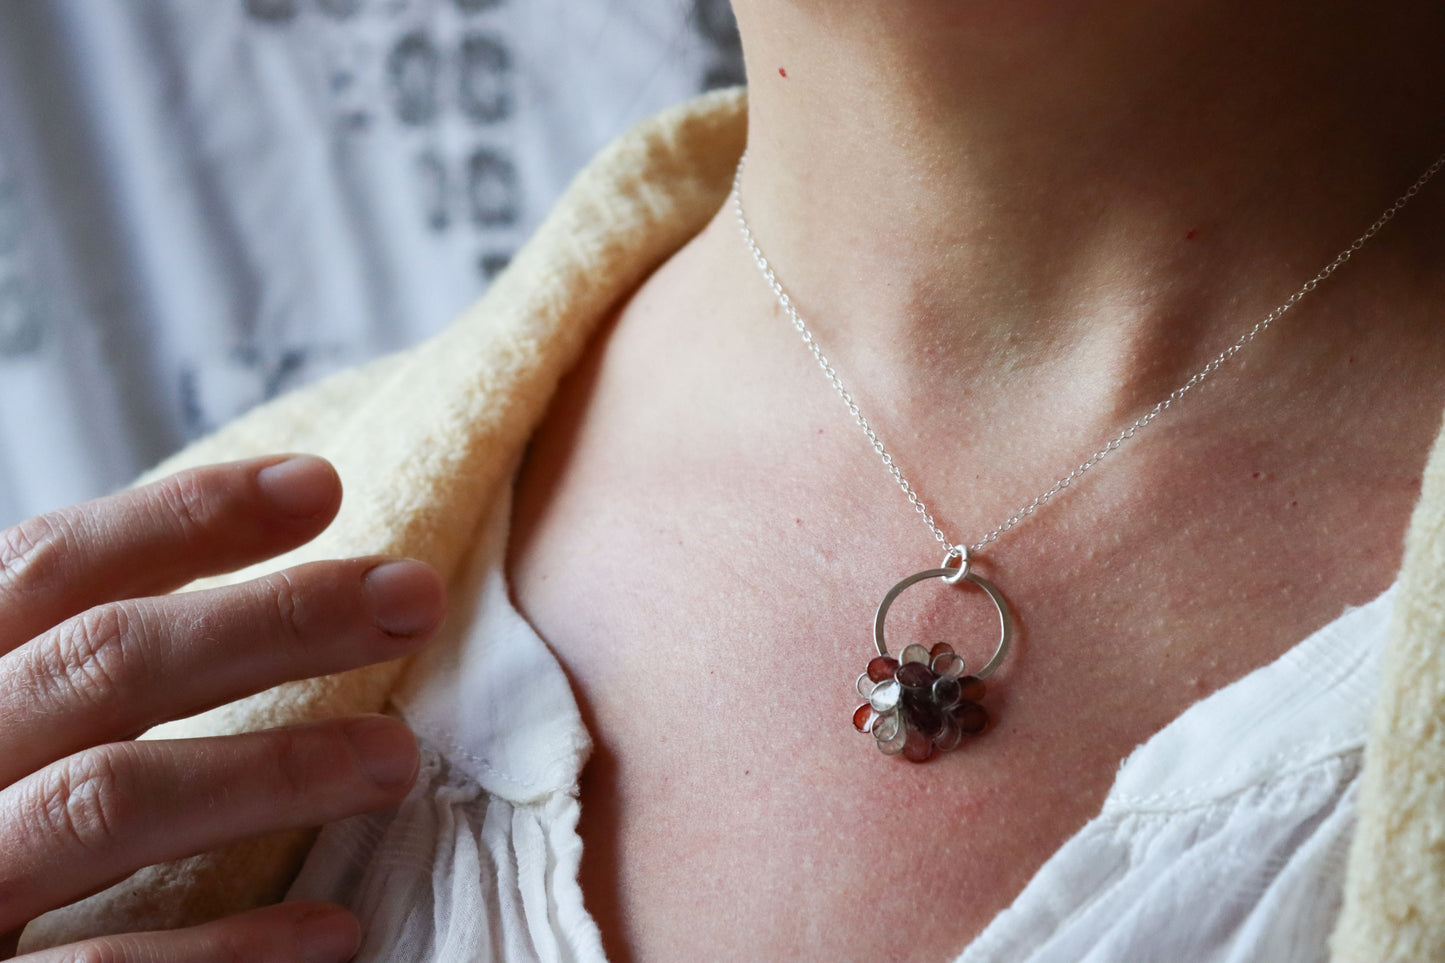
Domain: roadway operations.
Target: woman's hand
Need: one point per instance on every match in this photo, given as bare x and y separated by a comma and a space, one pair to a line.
93, 652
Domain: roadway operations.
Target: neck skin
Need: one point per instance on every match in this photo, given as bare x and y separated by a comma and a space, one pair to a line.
964, 198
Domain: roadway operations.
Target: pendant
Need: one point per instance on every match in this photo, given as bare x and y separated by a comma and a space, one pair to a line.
922, 702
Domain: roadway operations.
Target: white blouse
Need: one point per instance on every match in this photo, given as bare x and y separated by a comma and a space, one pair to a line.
1224, 837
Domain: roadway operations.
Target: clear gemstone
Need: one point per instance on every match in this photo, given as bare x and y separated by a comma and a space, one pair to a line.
885, 695
892, 745
948, 665
947, 692
914, 653
948, 739
886, 726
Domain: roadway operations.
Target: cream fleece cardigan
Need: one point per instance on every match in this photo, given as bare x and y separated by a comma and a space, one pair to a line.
422, 440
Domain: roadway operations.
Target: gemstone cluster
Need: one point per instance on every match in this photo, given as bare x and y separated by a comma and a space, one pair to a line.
919, 703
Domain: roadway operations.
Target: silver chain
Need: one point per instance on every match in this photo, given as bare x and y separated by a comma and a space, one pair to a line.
1139, 424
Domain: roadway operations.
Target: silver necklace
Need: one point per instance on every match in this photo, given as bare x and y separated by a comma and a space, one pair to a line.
924, 701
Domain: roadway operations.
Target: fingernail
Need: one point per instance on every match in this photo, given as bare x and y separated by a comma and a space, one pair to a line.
405, 597
386, 748
301, 486
328, 934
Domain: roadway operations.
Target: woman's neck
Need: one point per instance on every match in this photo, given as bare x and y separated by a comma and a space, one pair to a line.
965, 190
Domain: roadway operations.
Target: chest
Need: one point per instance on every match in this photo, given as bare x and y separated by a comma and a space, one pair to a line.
712, 611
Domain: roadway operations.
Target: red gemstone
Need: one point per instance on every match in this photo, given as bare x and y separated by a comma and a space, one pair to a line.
972, 687
915, 675
863, 718
918, 747
971, 717
882, 667
939, 648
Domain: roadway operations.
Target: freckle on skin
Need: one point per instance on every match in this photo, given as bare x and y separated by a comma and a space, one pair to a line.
1193, 232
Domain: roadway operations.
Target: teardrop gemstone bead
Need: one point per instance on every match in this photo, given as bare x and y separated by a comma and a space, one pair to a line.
948, 664
890, 743
971, 717
885, 695
917, 747
915, 675
922, 714
886, 726
949, 738
882, 667
914, 653
946, 692
972, 687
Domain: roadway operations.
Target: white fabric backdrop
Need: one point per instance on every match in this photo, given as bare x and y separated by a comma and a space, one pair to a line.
206, 202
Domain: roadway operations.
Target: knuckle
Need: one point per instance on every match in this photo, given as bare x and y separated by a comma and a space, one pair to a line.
33, 552
188, 500
101, 950
302, 761
288, 603
89, 659
86, 800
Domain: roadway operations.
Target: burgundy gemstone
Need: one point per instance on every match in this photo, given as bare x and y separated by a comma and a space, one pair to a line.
915, 675
918, 747
863, 717
923, 715
882, 667
971, 717
972, 687
939, 648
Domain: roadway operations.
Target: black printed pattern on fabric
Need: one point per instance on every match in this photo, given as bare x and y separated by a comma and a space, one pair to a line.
439, 77
436, 64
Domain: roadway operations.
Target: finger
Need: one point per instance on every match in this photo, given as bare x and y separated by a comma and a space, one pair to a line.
154, 539
118, 669
300, 932
95, 817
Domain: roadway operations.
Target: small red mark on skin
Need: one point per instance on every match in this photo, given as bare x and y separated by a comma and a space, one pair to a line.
1259, 474
1192, 234
1294, 504
820, 431
798, 520
782, 72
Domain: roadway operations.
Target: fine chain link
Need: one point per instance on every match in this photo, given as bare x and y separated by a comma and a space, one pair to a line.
1139, 423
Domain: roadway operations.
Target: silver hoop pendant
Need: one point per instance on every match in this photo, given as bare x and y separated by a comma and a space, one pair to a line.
923, 702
